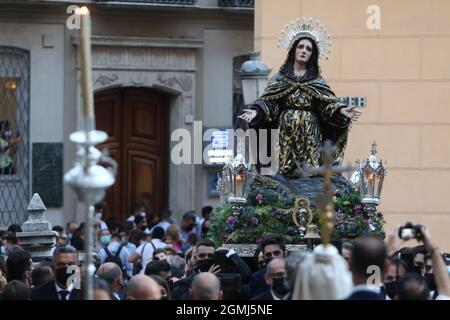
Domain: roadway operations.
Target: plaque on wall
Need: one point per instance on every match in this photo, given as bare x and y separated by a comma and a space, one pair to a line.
47, 177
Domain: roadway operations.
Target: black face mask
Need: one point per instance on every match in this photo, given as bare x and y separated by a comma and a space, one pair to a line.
164, 298
429, 279
143, 228
417, 270
204, 265
267, 260
391, 289
62, 276
279, 287
190, 227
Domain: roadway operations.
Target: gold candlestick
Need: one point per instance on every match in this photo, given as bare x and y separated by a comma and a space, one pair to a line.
86, 69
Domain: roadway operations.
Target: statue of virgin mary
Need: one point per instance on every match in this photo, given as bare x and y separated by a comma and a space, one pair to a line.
299, 102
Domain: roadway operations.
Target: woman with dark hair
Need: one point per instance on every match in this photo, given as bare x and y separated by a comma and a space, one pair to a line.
300, 104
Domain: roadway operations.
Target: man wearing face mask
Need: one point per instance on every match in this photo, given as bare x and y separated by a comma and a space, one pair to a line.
271, 247
64, 260
98, 216
418, 266
112, 250
141, 224
274, 277
395, 271
203, 256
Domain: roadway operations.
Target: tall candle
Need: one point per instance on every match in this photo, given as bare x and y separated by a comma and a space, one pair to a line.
370, 182
239, 185
86, 69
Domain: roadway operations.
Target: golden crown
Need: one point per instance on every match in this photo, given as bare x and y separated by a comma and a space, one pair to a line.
306, 27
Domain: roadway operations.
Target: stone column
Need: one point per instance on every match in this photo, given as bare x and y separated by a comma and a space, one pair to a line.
37, 236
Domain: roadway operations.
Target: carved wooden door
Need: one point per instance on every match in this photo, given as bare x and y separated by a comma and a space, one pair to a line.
136, 121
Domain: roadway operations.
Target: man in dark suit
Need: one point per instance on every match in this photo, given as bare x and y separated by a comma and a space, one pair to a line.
275, 280
368, 265
63, 287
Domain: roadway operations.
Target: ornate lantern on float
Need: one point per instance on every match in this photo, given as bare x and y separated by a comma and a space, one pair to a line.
237, 178
370, 181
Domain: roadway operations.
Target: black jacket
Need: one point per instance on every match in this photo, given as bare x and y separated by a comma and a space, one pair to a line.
48, 292
365, 295
257, 284
181, 288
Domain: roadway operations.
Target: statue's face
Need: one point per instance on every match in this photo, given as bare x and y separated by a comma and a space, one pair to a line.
303, 51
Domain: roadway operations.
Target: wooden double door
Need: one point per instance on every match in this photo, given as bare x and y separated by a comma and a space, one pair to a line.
136, 121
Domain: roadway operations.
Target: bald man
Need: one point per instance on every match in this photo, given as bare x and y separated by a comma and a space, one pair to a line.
206, 286
142, 287
111, 273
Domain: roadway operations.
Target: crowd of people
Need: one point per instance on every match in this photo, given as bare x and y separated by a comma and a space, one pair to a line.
145, 258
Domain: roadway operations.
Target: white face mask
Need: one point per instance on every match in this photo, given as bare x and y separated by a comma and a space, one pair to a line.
143, 214
99, 215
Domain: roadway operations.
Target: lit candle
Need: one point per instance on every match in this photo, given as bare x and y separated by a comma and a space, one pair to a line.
370, 185
239, 185
86, 68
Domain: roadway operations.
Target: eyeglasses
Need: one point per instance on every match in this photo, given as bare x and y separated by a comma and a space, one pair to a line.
205, 255
276, 253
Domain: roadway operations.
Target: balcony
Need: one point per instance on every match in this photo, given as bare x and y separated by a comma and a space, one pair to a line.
237, 3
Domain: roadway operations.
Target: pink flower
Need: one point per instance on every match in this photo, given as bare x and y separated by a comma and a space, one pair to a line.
260, 198
231, 220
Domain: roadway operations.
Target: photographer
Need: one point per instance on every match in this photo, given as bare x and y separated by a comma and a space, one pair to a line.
206, 259
421, 233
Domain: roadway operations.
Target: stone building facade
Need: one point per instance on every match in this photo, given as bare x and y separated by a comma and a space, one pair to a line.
178, 53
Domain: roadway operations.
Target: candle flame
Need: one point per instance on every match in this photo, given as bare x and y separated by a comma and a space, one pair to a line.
83, 11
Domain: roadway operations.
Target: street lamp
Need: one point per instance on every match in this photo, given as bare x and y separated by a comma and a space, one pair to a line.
254, 76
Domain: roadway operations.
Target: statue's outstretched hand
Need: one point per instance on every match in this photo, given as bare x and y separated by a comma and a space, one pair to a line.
248, 115
349, 112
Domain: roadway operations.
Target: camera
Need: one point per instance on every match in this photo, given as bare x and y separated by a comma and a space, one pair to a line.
410, 231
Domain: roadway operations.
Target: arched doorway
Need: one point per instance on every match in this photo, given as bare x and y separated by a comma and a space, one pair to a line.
136, 121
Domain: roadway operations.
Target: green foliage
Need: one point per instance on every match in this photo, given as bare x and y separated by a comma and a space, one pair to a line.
268, 211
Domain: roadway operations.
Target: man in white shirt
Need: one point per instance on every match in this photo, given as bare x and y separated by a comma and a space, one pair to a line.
110, 249
144, 253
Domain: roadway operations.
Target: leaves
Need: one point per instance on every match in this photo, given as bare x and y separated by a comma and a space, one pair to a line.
270, 205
